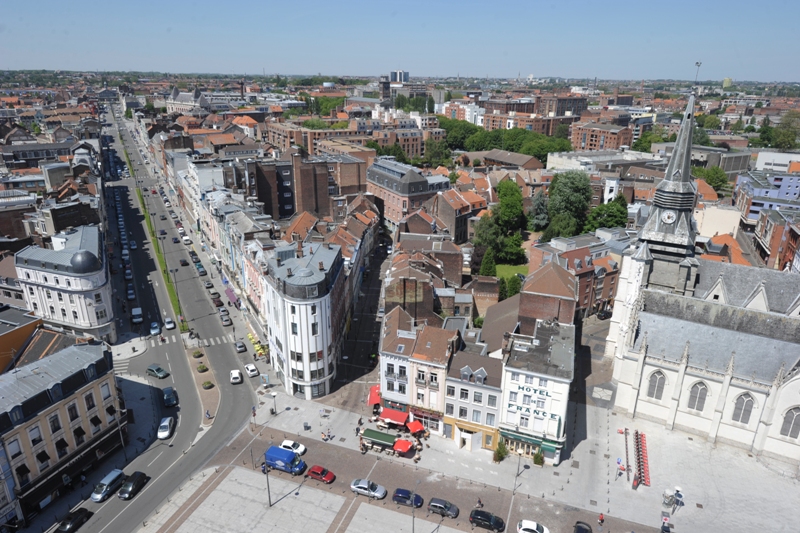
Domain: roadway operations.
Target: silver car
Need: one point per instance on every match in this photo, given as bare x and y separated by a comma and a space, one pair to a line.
367, 488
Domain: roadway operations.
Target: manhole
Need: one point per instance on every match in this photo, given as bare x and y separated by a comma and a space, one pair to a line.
592, 502
592, 452
699, 505
341, 439
606, 456
690, 438
576, 464
613, 413
295, 409
556, 473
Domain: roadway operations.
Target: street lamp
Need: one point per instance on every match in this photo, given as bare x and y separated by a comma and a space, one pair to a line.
274, 402
177, 296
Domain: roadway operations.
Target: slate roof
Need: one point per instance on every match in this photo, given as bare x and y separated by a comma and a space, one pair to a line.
82, 253
781, 288
492, 366
500, 318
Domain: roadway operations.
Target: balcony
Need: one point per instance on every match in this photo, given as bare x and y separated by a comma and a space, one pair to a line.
402, 377
420, 382
390, 375
433, 385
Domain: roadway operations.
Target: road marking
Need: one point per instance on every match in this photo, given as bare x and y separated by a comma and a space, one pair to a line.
152, 343
156, 458
232, 338
173, 339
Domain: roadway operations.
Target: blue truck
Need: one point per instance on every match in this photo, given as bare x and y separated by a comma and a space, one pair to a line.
285, 460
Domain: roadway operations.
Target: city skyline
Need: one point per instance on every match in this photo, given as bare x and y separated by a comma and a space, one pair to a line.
426, 40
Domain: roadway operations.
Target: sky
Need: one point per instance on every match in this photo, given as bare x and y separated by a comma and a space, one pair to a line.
616, 39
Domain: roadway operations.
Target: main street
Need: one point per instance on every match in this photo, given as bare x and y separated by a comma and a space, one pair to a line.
169, 462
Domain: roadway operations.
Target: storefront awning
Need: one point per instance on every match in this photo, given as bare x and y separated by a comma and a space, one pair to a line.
231, 295
111, 409
549, 447
61, 444
402, 445
414, 426
79, 431
393, 416
42, 456
23, 470
95, 420
520, 437
374, 395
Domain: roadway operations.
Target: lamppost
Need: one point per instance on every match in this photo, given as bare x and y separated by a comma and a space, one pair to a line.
274, 403
177, 296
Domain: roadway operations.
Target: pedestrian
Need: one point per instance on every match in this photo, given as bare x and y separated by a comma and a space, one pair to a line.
83, 480
480, 504
208, 415
255, 357
601, 519
329, 433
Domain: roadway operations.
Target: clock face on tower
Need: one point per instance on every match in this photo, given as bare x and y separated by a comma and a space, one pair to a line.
668, 217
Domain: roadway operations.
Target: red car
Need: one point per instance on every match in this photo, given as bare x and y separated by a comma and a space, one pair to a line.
154, 191
321, 474
217, 302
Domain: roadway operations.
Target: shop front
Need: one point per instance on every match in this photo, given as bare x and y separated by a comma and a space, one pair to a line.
432, 420
528, 446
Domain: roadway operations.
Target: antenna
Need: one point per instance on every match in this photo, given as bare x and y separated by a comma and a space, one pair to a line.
697, 64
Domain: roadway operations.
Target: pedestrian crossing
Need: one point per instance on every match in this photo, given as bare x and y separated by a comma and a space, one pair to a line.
121, 366
211, 341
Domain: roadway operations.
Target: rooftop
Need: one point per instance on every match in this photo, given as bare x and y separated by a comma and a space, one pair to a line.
551, 350
76, 251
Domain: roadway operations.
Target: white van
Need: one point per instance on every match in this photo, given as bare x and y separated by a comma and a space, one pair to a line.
187, 241
126, 253
136, 315
182, 231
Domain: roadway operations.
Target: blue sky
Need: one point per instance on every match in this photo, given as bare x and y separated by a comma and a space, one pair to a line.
617, 39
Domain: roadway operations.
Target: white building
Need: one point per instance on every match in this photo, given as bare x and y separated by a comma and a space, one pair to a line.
305, 313
777, 162
537, 375
69, 286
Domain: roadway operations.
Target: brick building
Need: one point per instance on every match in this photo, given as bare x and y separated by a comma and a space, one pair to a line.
592, 136
551, 292
559, 106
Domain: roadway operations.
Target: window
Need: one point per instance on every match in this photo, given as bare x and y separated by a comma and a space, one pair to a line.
655, 388
421, 397
313, 309
462, 413
464, 394
390, 368
492, 401
487, 441
74, 315
293, 310
402, 371
490, 419
528, 380
390, 386
89, 399
451, 391
791, 423
477, 397
542, 383
539, 403
515, 376
743, 408
286, 194
52, 310
314, 328
14, 448
98, 298
523, 421
476, 416
420, 375
697, 396
71, 299
35, 435
55, 424
30, 291
512, 397
100, 314
526, 399
72, 412
105, 391
294, 328
401, 388
448, 409
60, 297
434, 379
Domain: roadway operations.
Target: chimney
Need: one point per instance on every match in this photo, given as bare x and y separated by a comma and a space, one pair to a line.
299, 250
288, 272
279, 261
321, 265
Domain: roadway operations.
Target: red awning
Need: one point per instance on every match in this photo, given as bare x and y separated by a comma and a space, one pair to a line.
374, 395
402, 445
394, 416
415, 426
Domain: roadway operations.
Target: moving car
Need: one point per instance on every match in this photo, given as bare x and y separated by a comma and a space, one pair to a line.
604, 315
169, 323
442, 508
133, 245
240, 347
294, 446
170, 397
184, 262
486, 520
132, 485
175, 240
366, 487
163, 217
529, 526
407, 498
236, 376
250, 369
321, 474
155, 370
74, 520
155, 328
108, 485
162, 232
165, 427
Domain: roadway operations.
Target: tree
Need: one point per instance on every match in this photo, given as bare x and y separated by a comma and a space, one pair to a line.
562, 132
488, 265
457, 132
502, 289
316, 124
438, 153
749, 128
453, 177
714, 176
701, 137
538, 213
699, 120
128, 113
759, 105
162, 110
610, 215
478, 253
621, 200
400, 101
712, 123
448, 96
570, 193
511, 252
509, 213
737, 126
341, 125
785, 134
431, 104
513, 285
476, 162
562, 225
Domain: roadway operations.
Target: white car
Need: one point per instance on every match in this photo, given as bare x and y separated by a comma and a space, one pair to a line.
169, 323
133, 245
251, 370
236, 376
293, 446
529, 526
166, 427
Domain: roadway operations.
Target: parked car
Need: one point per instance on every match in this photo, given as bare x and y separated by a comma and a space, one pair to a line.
321, 474
108, 485
217, 302
128, 274
236, 376
224, 311
240, 347
226, 320
486, 520
74, 520
407, 498
202, 272
169, 323
604, 314
294, 446
170, 397
165, 428
442, 508
184, 262
155, 370
581, 527
529, 526
213, 293
250, 369
366, 487
208, 284
132, 485
131, 293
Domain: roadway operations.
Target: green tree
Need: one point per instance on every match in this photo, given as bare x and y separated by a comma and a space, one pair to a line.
511, 252
400, 101
562, 132
458, 131
438, 153
759, 104
570, 193
431, 104
513, 286
699, 120
621, 200
448, 96
712, 123
737, 126
784, 136
610, 215
488, 265
562, 225
341, 125
162, 110
509, 214
502, 289
453, 177
149, 107
418, 104
538, 215
714, 176
316, 124
128, 113
749, 128
476, 162
701, 137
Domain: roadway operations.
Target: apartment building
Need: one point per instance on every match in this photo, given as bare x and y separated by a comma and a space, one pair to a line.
305, 316
472, 113
537, 374
756, 191
592, 136
53, 429
560, 106
69, 286
772, 237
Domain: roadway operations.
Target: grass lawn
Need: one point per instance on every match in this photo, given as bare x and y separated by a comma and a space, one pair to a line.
506, 271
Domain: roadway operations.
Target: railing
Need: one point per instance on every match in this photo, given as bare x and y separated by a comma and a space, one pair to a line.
420, 382
390, 375
434, 385
402, 377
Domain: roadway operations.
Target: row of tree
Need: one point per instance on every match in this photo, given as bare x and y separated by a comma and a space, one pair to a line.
437, 153
498, 236
418, 103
